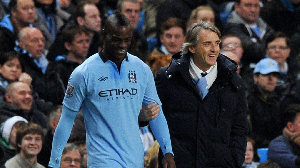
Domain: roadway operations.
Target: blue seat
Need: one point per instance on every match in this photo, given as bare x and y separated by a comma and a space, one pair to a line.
262, 154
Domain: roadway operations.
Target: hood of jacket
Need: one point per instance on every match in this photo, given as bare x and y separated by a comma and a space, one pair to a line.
235, 18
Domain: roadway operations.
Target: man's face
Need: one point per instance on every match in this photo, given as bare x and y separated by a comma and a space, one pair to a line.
31, 145
71, 159
207, 50
266, 82
132, 12
92, 19
173, 39
117, 40
34, 43
80, 46
278, 50
11, 70
21, 97
248, 10
25, 12
233, 44
206, 15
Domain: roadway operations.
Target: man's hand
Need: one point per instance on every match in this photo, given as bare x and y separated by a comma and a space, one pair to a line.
149, 112
168, 161
24, 77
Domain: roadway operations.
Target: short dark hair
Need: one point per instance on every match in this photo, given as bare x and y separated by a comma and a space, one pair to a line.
69, 33
10, 55
117, 18
120, 3
173, 22
12, 4
28, 128
276, 35
237, 1
79, 9
290, 113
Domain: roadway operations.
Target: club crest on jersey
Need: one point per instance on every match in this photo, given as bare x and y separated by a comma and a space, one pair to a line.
69, 91
132, 76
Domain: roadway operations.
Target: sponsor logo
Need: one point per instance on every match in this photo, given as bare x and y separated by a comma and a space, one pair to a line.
69, 91
118, 92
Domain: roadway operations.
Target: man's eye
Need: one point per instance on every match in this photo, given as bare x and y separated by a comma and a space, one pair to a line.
206, 44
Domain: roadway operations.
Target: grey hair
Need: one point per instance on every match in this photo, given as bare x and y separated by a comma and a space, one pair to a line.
55, 113
192, 34
71, 147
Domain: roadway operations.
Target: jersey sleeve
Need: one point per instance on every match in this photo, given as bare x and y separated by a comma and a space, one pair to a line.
76, 89
159, 124
61, 136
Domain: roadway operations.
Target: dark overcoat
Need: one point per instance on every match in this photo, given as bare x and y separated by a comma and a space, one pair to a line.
210, 132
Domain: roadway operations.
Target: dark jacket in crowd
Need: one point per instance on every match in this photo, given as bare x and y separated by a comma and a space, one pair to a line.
8, 35
7, 153
57, 48
285, 152
64, 68
209, 132
35, 116
254, 46
284, 16
287, 80
48, 86
265, 118
43, 157
292, 97
280, 17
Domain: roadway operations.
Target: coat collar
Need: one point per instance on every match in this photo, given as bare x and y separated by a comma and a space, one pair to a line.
226, 69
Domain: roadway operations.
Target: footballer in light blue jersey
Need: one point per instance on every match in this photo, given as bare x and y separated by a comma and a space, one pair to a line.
110, 92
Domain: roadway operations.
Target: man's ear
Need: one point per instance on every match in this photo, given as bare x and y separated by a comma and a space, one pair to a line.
67, 46
192, 50
236, 7
53, 124
80, 21
161, 38
13, 12
21, 44
7, 97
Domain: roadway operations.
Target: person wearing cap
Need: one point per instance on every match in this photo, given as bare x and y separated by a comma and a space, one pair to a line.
8, 131
264, 103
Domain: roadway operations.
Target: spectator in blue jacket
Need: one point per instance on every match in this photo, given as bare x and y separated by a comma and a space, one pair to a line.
285, 149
